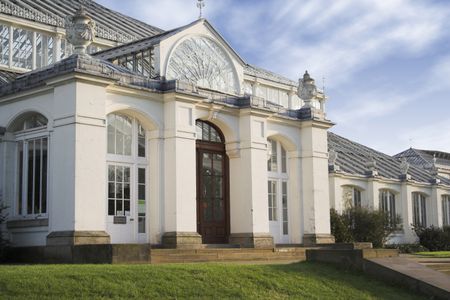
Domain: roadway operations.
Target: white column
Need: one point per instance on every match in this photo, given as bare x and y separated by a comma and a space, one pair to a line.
407, 213
436, 208
249, 216
180, 209
57, 48
78, 166
294, 198
155, 206
373, 194
314, 184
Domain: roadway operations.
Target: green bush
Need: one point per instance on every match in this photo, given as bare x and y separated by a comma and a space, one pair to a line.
3, 241
408, 248
434, 238
358, 224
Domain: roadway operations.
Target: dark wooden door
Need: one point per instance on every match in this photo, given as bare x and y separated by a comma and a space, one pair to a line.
212, 193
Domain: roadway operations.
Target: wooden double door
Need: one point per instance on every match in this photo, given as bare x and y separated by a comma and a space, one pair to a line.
212, 192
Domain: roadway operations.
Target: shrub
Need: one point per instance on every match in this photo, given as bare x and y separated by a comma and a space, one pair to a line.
3, 241
408, 248
363, 225
434, 238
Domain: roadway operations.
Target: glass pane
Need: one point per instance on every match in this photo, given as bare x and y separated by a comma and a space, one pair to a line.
126, 191
207, 162
217, 164
141, 141
111, 190
127, 207
218, 209
126, 174
4, 44
218, 183
119, 174
22, 48
111, 207
44, 174
141, 175
37, 176
111, 173
20, 179
119, 190
141, 224
30, 180
141, 192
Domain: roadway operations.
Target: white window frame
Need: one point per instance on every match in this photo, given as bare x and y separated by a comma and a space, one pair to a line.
388, 203
24, 137
419, 209
445, 210
279, 175
134, 162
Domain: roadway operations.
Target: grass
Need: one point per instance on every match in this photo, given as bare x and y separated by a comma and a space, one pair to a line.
435, 254
204, 281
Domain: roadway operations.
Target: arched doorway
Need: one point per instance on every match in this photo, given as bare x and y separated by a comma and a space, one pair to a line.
212, 185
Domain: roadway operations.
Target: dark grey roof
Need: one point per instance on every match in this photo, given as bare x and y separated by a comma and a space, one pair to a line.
77, 64
424, 158
111, 25
7, 76
139, 45
268, 75
353, 157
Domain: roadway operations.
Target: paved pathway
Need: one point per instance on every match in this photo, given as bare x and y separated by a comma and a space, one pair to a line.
438, 264
410, 268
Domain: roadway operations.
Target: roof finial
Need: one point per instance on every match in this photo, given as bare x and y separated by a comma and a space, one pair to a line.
200, 5
80, 30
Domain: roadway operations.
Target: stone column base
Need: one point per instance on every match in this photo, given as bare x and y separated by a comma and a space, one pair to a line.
252, 240
182, 240
69, 238
311, 239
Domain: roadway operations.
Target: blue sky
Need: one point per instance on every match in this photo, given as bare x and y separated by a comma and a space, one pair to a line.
386, 64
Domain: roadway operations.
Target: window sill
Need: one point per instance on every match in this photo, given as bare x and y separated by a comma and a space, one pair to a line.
26, 223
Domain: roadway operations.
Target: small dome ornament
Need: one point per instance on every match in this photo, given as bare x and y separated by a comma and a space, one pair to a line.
80, 30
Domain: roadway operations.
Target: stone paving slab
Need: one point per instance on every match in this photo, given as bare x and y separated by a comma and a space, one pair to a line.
416, 271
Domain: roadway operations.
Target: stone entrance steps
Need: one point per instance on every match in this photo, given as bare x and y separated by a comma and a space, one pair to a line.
227, 255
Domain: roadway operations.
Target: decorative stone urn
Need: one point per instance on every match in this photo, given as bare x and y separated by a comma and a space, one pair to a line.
80, 31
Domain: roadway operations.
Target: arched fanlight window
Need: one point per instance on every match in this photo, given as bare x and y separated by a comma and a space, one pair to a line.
27, 121
207, 133
126, 136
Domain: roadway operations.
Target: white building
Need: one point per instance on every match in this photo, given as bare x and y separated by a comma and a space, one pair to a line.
360, 176
169, 137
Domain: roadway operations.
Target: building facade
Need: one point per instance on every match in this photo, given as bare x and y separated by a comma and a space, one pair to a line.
123, 133
168, 139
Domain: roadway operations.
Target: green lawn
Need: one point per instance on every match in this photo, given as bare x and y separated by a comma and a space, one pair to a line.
233, 281
435, 254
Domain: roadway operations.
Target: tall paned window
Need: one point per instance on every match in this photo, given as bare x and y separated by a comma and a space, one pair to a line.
387, 204
352, 196
419, 210
127, 168
446, 210
32, 165
277, 185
